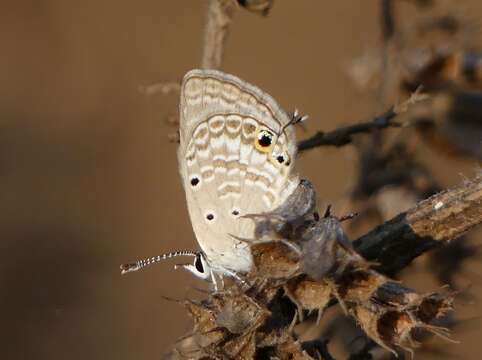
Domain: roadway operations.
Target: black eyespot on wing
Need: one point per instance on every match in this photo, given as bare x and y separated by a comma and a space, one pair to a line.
194, 181
265, 138
280, 159
198, 264
209, 217
235, 212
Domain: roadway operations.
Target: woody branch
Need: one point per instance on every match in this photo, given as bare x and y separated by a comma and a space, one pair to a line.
431, 223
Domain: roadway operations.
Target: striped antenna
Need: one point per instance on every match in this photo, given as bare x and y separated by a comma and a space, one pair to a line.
140, 264
296, 118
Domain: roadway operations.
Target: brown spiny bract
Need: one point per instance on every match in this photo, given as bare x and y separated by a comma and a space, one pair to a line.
274, 261
308, 294
255, 320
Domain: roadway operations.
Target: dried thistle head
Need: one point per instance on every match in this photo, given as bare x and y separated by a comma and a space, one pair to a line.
304, 269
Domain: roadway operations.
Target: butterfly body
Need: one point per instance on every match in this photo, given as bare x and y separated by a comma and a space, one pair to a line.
235, 157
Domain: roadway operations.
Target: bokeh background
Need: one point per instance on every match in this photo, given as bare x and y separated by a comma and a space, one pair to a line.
88, 179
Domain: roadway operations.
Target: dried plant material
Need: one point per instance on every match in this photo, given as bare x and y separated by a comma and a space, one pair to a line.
344, 135
416, 97
261, 7
161, 87
438, 49
442, 217
219, 17
448, 214
308, 294
274, 261
257, 322
224, 326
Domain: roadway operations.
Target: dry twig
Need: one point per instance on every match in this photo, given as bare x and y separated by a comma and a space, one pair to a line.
343, 135
218, 19
219, 16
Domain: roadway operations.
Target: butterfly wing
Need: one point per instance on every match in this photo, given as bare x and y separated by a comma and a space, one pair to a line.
235, 158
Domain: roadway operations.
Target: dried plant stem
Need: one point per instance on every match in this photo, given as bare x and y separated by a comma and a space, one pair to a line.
387, 21
438, 219
218, 19
219, 16
343, 135
388, 31
163, 87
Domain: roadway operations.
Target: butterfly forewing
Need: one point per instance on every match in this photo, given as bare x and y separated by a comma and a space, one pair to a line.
235, 158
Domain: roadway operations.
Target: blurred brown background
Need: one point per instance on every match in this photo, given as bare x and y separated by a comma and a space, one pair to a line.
89, 180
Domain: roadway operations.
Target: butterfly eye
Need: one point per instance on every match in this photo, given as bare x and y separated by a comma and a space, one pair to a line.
200, 267
198, 264
264, 141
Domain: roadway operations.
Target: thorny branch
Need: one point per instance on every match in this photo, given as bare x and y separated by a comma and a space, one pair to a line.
309, 262
343, 135
434, 221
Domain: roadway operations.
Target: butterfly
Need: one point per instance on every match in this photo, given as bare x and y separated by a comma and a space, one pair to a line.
236, 155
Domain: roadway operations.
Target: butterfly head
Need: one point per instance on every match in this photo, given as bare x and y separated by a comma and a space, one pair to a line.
200, 267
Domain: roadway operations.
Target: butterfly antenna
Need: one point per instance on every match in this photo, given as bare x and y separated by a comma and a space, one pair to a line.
140, 264
296, 118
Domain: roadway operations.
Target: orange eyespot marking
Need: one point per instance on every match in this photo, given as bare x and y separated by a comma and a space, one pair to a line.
264, 141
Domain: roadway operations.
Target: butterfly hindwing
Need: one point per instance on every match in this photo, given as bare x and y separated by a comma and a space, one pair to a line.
235, 158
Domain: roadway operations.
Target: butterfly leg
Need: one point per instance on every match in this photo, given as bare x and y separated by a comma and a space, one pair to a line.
235, 276
214, 281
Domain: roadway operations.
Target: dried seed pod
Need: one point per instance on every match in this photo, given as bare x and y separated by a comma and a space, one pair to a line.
308, 294
274, 260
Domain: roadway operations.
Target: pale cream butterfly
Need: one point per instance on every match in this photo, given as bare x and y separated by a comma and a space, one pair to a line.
236, 155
